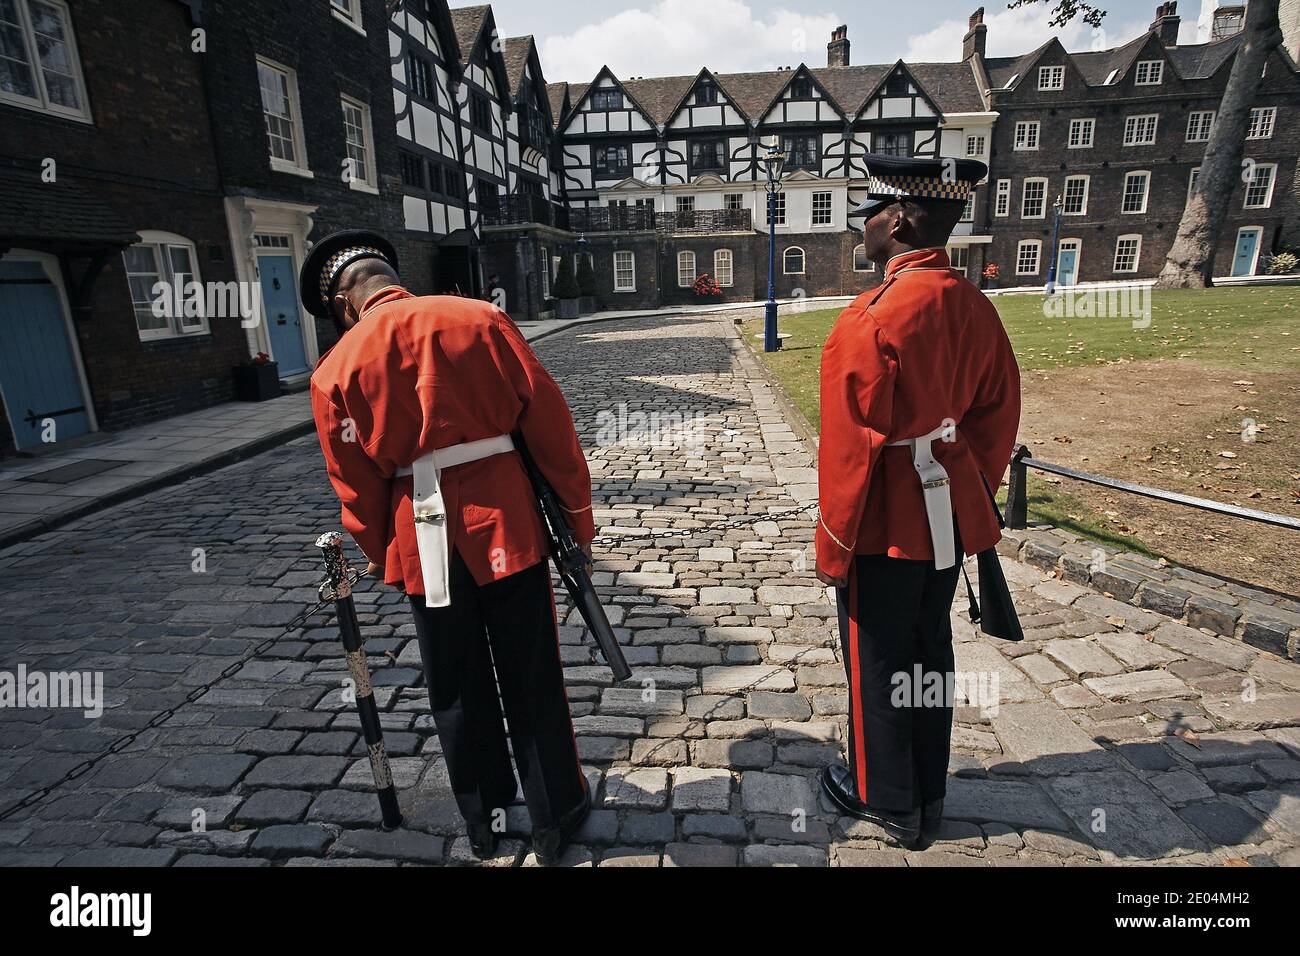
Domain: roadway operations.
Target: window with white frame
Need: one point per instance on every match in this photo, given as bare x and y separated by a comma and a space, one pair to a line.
1262, 119
40, 68
968, 210
284, 136
1033, 198
1199, 123
1192, 177
685, 204
778, 209
1026, 134
1081, 131
1259, 185
821, 208
360, 143
860, 261
1074, 200
1051, 77
1027, 255
792, 261
1140, 130
545, 255
349, 11
975, 145
685, 269
162, 275
624, 272
959, 258
733, 201
722, 267
1128, 252
1002, 198
1135, 192
1149, 73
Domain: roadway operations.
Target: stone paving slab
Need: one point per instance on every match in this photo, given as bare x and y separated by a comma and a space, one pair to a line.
1117, 733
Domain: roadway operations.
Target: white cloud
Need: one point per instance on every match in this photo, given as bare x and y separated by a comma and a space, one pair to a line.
1019, 31
679, 36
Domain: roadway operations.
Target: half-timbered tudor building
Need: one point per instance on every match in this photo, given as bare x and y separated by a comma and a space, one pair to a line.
685, 154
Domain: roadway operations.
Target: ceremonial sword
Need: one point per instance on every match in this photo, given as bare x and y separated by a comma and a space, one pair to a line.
338, 588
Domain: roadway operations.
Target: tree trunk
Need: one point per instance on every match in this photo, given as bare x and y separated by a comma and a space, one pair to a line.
1191, 259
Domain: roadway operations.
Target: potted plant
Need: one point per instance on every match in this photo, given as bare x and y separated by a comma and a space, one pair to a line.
586, 284
705, 285
257, 379
990, 274
566, 288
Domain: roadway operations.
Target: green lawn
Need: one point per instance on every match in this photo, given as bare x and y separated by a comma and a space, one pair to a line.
1213, 325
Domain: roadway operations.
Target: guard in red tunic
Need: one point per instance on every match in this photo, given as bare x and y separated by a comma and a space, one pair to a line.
415, 407
920, 401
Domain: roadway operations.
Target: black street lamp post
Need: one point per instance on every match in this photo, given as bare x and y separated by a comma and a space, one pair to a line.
773, 162
1056, 238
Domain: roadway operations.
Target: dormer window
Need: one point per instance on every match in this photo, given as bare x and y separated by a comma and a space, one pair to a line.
1051, 77
801, 88
706, 94
1149, 73
896, 85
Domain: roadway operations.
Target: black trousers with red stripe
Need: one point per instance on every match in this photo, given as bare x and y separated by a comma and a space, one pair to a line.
894, 617
500, 635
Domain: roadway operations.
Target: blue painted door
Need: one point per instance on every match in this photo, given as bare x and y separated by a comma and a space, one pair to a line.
38, 368
280, 312
1067, 267
1243, 260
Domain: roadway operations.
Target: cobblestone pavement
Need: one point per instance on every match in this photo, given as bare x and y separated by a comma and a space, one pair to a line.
1118, 734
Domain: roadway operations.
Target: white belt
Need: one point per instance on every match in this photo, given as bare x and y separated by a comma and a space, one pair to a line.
934, 485
431, 513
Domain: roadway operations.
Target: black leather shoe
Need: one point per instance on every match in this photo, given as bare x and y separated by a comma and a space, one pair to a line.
482, 839
838, 784
931, 819
549, 843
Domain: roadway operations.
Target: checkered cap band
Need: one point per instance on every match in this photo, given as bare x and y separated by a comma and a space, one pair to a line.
340, 261
921, 187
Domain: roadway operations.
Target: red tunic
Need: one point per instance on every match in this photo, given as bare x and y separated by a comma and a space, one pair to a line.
418, 374
923, 347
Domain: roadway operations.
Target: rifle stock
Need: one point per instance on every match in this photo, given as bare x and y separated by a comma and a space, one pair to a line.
571, 563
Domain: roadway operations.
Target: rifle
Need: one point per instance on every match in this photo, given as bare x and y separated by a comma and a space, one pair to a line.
571, 563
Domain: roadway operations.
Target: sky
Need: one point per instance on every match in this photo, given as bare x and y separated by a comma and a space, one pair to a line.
672, 37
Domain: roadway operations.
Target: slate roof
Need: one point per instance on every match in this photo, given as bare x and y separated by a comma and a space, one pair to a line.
57, 214
468, 22
514, 50
1204, 59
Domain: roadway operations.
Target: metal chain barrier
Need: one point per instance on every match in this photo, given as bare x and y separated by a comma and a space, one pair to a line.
328, 596
652, 533
121, 743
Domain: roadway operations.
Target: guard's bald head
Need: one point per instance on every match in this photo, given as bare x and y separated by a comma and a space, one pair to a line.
357, 282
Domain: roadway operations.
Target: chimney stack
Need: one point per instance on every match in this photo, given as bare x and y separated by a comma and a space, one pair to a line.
976, 38
1166, 23
837, 51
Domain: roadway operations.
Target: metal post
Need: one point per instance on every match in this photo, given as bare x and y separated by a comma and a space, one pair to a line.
1017, 495
1056, 237
771, 342
338, 588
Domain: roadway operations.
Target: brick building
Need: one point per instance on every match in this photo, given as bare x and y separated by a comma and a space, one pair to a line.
1119, 135
108, 182
155, 141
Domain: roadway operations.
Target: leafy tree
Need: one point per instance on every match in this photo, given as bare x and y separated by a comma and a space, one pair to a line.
566, 286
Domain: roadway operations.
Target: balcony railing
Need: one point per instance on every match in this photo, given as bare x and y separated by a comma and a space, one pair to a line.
519, 209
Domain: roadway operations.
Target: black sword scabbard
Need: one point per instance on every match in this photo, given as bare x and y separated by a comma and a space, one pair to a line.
340, 591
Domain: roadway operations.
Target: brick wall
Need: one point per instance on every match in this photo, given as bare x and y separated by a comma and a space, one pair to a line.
149, 154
